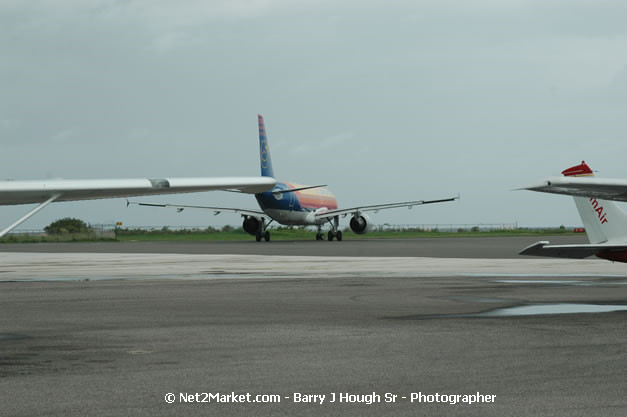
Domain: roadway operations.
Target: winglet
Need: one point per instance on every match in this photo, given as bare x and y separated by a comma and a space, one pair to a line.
582, 170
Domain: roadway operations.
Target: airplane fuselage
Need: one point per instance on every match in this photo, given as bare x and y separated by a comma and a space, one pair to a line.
298, 207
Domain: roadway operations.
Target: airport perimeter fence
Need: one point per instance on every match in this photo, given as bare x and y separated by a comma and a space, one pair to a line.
112, 231
109, 230
40, 235
447, 227
439, 227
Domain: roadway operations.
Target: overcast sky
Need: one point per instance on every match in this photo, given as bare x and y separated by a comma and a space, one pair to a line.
383, 100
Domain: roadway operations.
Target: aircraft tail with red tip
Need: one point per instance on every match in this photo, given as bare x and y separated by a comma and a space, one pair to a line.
604, 220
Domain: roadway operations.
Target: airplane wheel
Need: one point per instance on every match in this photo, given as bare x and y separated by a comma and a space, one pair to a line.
266, 236
330, 235
258, 237
318, 236
338, 235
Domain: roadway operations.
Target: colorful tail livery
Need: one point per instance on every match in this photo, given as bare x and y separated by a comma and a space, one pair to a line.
304, 205
605, 223
264, 150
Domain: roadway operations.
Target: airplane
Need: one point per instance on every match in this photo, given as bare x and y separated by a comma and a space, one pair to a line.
295, 204
605, 223
44, 192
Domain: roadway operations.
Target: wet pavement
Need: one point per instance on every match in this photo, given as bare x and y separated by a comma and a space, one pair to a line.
105, 334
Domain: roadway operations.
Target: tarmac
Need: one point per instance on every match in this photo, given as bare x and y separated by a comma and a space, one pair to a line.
107, 334
464, 247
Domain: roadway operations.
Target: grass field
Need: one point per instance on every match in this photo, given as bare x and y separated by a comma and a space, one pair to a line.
65, 237
126, 235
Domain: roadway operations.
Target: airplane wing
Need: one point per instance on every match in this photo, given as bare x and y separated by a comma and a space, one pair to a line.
601, 188
377, 207
544, 248
216, 210
45, 192
27, 192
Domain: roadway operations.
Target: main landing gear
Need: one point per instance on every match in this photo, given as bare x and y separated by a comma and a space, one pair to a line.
262, 233
265, 235
334, 233
337, 235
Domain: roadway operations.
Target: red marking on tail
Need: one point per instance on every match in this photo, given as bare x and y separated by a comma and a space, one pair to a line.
599, 210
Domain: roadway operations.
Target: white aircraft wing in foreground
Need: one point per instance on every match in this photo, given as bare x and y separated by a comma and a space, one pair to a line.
46, 191
585, 186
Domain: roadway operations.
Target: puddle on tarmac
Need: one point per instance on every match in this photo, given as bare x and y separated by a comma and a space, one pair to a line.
560, 282
525, 310
538, 309
12, 336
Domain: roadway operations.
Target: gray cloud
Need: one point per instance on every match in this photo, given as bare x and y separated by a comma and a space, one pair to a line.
381, 100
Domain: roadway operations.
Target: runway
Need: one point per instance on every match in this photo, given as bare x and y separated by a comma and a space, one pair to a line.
112, 334
465, 247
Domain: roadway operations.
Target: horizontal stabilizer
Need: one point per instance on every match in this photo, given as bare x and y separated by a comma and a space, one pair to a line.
543, 248
291, 190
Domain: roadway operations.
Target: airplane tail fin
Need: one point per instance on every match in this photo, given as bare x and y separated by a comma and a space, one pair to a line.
264, 150
604, 220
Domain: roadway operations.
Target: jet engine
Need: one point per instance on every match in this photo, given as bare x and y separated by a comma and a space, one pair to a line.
251, 225
360, 224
